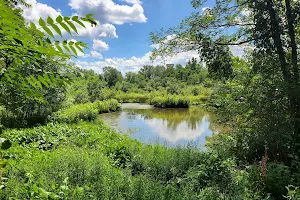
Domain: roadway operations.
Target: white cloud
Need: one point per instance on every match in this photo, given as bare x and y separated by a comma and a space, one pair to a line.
96, 54
38, 10
132, 1
93, 54
100, 45
135, 63
101, 30
107, 11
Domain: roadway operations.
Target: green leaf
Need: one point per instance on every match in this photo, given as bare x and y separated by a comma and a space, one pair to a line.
48, 80
81, 44
35, 188
43, 193
42, 80
89, 15
50, 20
47, 30
42, 22
67, 48
67, 18
79, 48
53, 79
74, 50
71, 43
59, 19
59, 48
37, 82
58, 31
74, 18
65, 27
68, 81
79, 22
30, 82
72, 26
32, 25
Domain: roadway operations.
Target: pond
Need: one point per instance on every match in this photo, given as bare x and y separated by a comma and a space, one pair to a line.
169, 127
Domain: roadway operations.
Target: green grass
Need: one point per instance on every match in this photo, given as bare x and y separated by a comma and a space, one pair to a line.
190, 96
132, 97
85, 112
90, 161
170, 102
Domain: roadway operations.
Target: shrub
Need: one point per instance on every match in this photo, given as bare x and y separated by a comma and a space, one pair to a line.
76, 113
43, 137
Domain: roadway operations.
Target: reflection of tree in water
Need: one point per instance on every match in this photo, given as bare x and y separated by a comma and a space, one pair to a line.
192, 117
131, 114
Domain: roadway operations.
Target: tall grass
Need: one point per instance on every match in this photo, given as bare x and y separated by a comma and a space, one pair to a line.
85, 112
170, 102
132, 97
90, 161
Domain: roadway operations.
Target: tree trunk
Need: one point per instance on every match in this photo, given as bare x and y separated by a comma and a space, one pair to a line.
295, 87
291, 27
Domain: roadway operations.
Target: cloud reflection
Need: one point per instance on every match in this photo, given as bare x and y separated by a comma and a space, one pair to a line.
182, 130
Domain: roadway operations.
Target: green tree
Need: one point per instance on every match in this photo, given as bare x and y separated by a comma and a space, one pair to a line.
131, 77
112, 76
95, 88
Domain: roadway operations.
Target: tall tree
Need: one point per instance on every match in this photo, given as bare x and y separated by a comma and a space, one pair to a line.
112, 76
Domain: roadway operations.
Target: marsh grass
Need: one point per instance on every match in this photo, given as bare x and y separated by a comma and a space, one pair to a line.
86, 111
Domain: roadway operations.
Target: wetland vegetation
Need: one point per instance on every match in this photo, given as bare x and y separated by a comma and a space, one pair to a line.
66, 135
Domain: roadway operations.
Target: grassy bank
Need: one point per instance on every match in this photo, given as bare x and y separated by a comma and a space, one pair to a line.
170, 102
132, 97
85, 112
160, 100
90, 161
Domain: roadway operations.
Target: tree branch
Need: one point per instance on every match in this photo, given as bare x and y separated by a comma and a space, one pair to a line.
237, 6
235, 44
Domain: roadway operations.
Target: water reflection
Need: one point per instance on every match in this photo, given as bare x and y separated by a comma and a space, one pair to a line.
171, 127
173, 117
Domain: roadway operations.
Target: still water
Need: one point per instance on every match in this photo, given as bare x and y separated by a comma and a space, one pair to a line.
170, 127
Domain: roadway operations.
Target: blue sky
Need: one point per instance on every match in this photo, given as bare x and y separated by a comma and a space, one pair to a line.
122, 38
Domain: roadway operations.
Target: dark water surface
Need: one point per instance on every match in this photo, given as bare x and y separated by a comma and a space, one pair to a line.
170, 127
